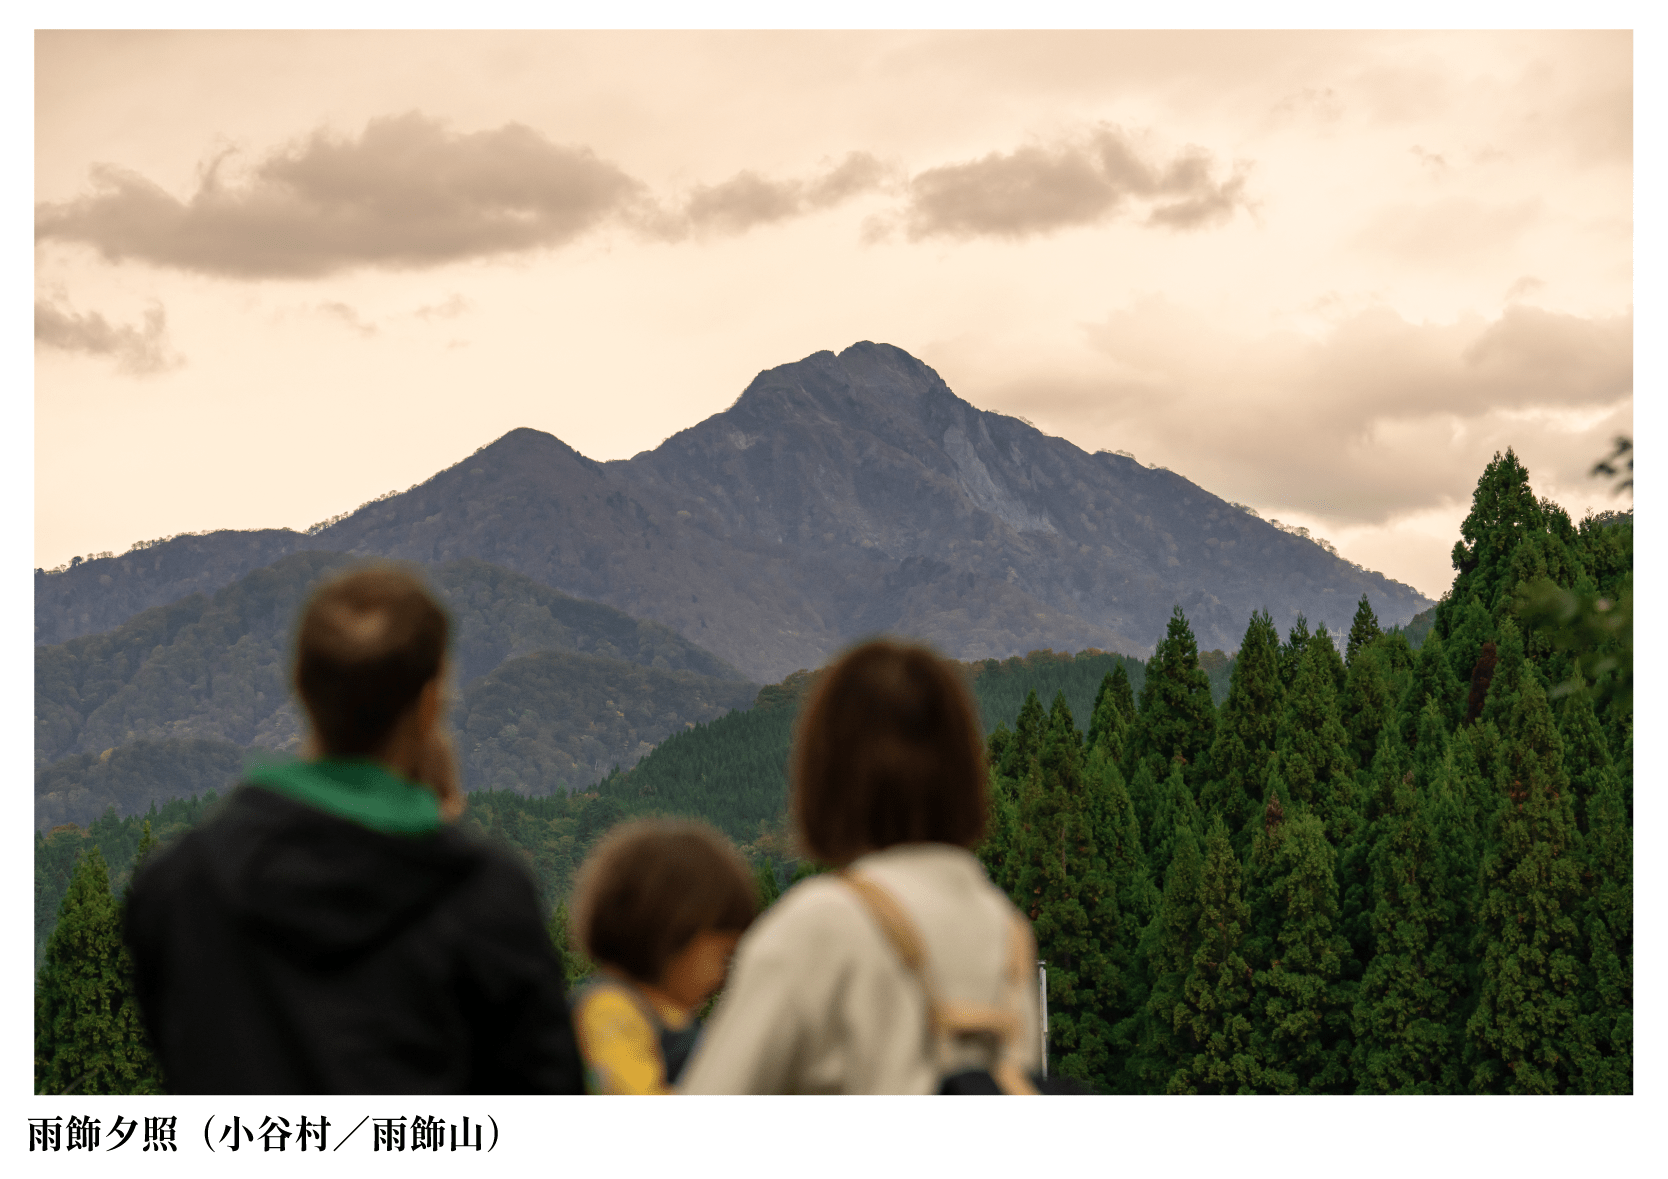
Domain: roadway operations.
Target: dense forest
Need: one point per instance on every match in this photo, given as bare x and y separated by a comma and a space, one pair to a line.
1380, 871
1392, 862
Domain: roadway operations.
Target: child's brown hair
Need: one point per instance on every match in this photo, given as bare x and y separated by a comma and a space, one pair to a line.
651, 886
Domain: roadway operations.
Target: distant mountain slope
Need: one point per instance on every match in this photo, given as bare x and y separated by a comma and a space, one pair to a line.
79, 788
216, 668
839, 496
557, 719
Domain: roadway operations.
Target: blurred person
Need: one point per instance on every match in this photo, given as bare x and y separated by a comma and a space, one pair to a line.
659, 906
326, 930
906, 971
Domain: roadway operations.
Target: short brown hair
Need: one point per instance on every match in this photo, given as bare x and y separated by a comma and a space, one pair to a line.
369, 640
650, 886
889, 750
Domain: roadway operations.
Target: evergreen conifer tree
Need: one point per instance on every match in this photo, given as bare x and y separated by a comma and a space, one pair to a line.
1504, 511
1430, 747
1313, 745
1526, 1029
1334, 661
1026, 742
1177, 716
1432, 679
1473, 627
1363, 629
1144, 795
1214, 1013
1369, 702
1511, 672
1109, 723
1389, 770
1586, 752
997, 850
89, 1037
1409, 1012
1291, 652
1122, 694
1604, 1061
1167, 947
1175, 810
1128, 901
1061, 883
1245, 730
1300, 1017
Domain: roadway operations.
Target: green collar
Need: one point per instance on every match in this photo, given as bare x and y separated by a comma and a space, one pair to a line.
362, 791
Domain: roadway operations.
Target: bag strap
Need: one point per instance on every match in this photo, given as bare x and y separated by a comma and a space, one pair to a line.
954, 1018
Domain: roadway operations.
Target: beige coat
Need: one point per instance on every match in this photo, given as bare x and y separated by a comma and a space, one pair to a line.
819, 1002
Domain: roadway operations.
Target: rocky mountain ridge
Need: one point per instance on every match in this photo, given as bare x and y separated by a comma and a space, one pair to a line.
841, 495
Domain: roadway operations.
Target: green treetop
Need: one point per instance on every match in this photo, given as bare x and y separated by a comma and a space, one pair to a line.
1114, 712
1362, 630
1369, 701
1026, 742
1503, 511
1291, 651
1245, 729
89, 1037
1334, 661
1312, 744
1177, 716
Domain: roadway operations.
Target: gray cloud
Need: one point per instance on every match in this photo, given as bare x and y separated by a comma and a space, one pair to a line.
406, 193
1037, 190
1375, 419
748, 199
137, 351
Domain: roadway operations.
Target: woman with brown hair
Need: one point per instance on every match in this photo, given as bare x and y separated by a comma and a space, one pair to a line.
907, 965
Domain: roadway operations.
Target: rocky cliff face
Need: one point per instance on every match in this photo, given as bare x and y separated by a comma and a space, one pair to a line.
840, 496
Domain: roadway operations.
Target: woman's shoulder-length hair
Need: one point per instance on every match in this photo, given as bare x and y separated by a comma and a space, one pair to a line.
889, 750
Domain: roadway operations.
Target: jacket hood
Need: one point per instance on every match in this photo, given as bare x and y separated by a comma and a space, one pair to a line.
323, 889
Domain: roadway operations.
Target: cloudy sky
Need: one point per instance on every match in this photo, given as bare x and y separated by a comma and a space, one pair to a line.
1326, 275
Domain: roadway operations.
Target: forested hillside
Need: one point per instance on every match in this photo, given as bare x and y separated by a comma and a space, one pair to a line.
163, 706
1365, 867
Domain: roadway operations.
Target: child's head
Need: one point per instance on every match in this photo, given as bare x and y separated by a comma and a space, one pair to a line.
663, 901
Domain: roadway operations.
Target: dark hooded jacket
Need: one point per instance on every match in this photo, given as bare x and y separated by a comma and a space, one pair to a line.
282, 948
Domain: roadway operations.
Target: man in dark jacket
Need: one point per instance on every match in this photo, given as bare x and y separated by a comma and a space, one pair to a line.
327, 931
